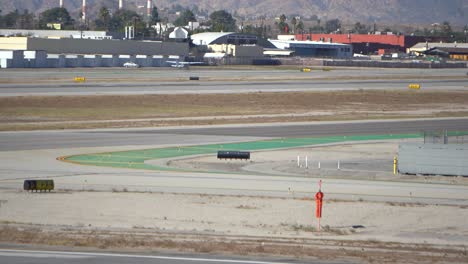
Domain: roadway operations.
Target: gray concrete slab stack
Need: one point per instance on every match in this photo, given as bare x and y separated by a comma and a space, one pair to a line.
433, 159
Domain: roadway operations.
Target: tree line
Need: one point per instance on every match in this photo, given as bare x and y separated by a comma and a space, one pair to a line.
112, 21
220, 20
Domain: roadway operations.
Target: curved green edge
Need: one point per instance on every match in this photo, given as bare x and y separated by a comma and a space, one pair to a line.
135, 159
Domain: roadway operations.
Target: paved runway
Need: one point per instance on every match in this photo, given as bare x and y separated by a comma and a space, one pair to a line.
12, 256
221, 87
123, 137
163, 81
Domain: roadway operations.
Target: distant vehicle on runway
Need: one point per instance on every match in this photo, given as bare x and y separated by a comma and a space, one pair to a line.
131, 65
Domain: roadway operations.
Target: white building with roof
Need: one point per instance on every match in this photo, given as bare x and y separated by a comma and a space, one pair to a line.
210, 38
179, 33
207, 38
237, 44
76, 34
315, 48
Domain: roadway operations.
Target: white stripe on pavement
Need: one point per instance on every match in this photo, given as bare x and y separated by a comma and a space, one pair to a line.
39, 255
42, 254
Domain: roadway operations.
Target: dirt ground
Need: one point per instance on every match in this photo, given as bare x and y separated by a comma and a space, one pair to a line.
366, 231
61, 112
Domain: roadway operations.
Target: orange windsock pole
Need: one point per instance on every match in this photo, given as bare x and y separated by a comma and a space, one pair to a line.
319, 201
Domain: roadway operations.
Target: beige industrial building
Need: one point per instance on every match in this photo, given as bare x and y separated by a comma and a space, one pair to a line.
236, 50
422, 47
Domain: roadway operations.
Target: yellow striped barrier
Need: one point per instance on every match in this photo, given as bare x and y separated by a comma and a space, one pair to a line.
80, 79
306, 70
415, 86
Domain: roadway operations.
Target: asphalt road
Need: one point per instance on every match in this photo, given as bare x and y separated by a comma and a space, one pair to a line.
124, 137
12, 256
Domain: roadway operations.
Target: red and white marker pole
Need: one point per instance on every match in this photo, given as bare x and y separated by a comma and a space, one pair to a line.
318, 201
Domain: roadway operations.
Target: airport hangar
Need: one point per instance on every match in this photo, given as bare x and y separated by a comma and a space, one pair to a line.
52, 50
316, 48
233, 48
68, 50
453, 51
378, 42
236, 48
282, 47
28, 52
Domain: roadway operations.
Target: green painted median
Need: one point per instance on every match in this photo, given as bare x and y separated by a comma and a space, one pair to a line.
136, 158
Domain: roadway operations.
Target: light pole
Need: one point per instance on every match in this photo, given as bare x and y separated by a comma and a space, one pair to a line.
466, 32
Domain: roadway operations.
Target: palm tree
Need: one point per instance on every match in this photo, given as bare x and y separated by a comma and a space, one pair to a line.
294, 23
283, 18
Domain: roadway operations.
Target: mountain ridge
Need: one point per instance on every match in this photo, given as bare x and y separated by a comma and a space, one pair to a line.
365, 11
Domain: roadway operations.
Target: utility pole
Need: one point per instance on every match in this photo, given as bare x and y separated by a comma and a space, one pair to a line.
466, 32
83, 11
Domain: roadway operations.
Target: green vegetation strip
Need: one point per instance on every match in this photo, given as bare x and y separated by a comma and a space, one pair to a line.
136, 158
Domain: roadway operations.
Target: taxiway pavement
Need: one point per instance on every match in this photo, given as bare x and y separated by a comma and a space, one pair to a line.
30, 140
33, 154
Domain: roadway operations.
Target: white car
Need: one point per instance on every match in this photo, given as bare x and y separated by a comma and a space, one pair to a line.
131, 65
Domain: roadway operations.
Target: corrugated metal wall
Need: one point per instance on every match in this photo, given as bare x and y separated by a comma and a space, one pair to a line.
104, 46
433, 159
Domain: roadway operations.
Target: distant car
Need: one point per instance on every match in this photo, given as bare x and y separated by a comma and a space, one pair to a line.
131, 65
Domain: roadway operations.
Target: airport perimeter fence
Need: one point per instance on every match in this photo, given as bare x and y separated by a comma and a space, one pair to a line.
382, 64
301, 61
248, 61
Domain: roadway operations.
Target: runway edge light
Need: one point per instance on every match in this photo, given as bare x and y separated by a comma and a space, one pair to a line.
414, 86
79, 79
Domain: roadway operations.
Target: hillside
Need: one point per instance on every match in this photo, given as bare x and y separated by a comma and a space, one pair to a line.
367, 11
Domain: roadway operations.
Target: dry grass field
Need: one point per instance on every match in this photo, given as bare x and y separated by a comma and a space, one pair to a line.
62, 112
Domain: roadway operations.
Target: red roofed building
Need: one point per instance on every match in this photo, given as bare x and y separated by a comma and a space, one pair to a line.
368, 43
